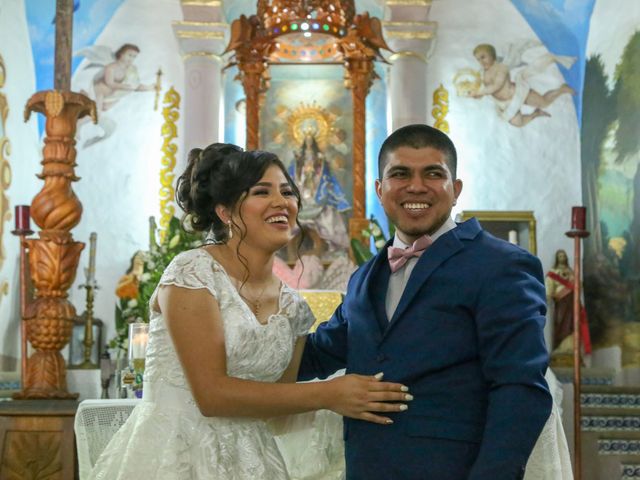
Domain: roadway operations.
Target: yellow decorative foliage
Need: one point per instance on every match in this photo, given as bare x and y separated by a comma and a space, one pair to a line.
5, 168
440, 108
171, 114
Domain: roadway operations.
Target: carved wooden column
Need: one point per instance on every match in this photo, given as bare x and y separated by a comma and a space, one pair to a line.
360, 78
252, 74
360, 47
53, 258
251, 50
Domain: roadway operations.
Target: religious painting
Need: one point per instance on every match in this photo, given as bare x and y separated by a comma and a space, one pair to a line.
307, 123
611, 187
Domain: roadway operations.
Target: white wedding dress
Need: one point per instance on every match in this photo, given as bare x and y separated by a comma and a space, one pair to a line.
166, 437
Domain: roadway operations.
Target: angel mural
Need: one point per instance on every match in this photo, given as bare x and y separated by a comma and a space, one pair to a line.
507, 80
117, 76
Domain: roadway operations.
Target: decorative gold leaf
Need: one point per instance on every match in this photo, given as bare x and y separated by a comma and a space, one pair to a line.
53, 103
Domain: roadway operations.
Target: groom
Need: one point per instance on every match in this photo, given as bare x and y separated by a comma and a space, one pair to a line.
453, 313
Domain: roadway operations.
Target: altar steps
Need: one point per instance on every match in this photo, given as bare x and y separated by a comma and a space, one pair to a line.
610, 432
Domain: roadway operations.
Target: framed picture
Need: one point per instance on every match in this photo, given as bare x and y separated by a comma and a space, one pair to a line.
515, 226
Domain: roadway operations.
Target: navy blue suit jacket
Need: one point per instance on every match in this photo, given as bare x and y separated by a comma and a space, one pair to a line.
467, 339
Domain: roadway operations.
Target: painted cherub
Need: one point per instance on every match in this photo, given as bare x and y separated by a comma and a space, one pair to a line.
511, 94
117, 76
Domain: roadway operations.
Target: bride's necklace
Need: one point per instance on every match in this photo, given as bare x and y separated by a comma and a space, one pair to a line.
254, 302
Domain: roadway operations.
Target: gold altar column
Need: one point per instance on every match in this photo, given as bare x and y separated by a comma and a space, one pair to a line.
54, 256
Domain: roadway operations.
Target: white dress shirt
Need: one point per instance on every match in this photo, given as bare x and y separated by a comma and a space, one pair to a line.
398, 280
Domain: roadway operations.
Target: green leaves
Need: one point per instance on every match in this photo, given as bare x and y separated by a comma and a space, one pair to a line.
361, 252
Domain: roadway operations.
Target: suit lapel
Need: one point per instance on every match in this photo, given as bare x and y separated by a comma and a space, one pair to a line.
442, 249
375, 285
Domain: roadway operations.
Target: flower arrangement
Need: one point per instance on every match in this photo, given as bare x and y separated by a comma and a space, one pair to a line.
135, 288
362, 252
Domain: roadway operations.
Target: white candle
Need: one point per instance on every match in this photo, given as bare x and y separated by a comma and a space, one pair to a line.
139, 344
513, 237
91, 273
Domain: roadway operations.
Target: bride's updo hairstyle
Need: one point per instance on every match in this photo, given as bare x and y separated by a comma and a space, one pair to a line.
220, 175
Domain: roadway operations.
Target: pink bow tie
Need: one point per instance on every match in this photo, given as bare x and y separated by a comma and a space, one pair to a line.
399, 256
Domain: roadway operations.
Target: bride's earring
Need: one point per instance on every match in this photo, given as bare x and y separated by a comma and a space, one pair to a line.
230, 235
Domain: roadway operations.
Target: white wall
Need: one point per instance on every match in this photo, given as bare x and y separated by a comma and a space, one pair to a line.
24, 157
120, 175
535, 167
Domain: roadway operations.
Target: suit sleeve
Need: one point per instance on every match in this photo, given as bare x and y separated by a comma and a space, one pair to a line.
325, 350
510, 319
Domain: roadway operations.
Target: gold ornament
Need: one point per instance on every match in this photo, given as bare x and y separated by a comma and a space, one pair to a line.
171, 114
53, 103
310, 119
467, 82
440, 108
5, 168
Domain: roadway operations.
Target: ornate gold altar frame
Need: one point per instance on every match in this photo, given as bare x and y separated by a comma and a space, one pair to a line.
500, 222
9, 379
5, 168
359, 37
5, 173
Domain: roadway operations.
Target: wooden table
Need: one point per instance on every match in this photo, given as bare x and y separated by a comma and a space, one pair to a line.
37, 440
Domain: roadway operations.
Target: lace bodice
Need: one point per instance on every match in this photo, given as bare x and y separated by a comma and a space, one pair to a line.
166, 437
254, 351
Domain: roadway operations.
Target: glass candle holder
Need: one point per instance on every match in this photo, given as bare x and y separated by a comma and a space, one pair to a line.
138, 338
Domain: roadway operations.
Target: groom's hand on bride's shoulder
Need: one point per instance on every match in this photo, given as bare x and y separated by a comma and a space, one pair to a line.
362, 396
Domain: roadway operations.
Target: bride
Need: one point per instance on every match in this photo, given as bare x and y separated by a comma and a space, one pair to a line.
226, 338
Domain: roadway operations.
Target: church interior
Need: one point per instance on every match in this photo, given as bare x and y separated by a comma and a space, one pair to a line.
101, 101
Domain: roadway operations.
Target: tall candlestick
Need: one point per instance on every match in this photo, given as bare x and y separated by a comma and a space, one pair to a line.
91, 272
578, 218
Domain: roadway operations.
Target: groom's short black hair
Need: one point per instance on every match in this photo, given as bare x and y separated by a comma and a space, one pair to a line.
418, 136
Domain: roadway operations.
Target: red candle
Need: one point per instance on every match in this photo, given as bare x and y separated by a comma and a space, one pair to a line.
578, 218
22, 218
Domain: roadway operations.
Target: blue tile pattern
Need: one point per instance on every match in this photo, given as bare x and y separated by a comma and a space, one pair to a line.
630, 471
10, 385
609, 423
616, 446
586, 379
610, 400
